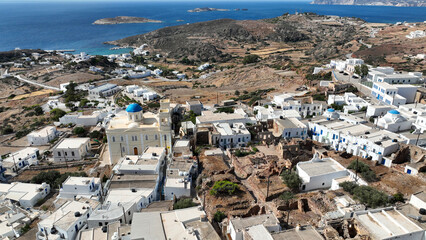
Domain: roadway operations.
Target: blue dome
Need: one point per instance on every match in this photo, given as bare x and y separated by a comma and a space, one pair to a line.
393, 112
134, 107
330, 110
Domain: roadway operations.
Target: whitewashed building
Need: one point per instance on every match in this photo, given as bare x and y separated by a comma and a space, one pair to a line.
67, 221
394, 122
393, 94
237, 226
26, 194
76, 187
71, 149
83, 120
229, 136
42, 136
25, 157
102, 91
320, 173
290, 128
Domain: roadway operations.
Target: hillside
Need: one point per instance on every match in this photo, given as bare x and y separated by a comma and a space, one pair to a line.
220, 40
395, 3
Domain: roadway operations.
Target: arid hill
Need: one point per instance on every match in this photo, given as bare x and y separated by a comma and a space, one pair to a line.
213, 40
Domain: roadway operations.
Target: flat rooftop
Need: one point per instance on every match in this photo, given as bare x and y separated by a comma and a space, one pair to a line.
264, 219
121, 121
304, 233
44, 132
320, 167
72, 143
80, 181
387, 223
147, 225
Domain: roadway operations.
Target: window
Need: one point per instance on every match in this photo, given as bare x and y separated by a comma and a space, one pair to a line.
59, 154
146, 137
136, 138
66, 154
113, 139
72, 153
122, 139
165, 137
156, 137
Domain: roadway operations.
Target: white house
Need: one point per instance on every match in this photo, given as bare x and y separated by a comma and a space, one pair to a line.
27, 194
71, 149
179, 178
87, 187
25, 157
356, 139
102, 91
210, 117
335, 99
389, 224
195, 106
378, 110
319, 173
420, 123
67, 221
83, 120
388, 75
150, 161
394, 122
237, 226
42, 136
235, 135
290, 128
393, 94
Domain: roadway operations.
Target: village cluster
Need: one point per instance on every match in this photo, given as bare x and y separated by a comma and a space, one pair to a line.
346, 160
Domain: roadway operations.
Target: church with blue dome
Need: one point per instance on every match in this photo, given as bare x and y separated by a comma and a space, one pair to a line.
131, 131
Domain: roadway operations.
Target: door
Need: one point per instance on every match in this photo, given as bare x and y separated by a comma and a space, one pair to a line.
135, 151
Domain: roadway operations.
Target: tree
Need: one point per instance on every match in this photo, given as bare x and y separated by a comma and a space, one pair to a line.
252, 58
291, 179
224, 187
361, 70
38, 110
80, 131
219, 216
57, 113
237, 93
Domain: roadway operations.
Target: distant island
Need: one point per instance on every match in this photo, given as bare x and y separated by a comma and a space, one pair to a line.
124, 19
395, 3
207, 9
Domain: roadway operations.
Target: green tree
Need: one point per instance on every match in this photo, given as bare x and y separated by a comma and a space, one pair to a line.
361, 70
292, 180
80, 131
219, 216
224, 187
38, 110
57, 113
252, 58
237, 93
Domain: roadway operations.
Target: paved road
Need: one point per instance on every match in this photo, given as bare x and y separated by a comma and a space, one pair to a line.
36, 83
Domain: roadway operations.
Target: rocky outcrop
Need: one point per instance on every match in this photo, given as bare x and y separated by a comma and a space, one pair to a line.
124, 19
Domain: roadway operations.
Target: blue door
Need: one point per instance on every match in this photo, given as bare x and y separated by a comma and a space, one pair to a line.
409, 171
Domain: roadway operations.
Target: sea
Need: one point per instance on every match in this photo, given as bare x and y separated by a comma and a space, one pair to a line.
57, 25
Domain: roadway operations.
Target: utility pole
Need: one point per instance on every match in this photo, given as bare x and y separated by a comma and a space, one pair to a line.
267, 189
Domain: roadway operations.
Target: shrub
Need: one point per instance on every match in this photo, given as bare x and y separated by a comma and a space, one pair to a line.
184, 203
286, 196
55, 178
291, 179
219, 216
366, 173
366, 195
252, 58
397, 197
224, 188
